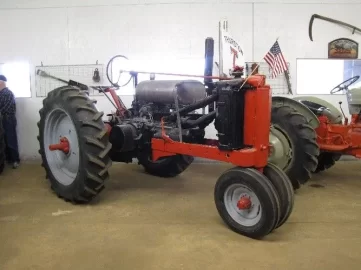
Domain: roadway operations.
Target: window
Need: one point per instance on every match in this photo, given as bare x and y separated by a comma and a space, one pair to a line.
320, 76
18, 77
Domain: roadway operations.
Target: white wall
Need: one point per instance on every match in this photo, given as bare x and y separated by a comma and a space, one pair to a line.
83, 31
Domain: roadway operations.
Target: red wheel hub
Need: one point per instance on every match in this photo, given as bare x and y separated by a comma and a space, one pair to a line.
244, 203
63, 145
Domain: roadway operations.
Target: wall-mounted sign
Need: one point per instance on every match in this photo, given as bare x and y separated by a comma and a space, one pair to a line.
343, 48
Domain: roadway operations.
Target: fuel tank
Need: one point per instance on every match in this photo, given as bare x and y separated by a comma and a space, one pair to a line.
163, 91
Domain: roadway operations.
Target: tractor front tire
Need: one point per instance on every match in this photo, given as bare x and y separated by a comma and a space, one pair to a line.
294, 148
283, 186
259, 212
78, 175
2, 146
166, 167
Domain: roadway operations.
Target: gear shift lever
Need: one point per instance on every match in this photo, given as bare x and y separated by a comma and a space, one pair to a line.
346, 119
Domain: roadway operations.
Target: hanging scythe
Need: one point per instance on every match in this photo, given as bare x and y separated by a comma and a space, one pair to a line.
316, 16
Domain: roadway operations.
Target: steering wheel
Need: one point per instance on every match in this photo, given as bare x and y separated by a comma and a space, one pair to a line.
339, 87
114, 70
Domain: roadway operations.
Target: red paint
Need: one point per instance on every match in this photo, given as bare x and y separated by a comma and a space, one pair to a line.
257, 110
121, 109
342, 138
237, 68
108, 128
63, 146
244, 203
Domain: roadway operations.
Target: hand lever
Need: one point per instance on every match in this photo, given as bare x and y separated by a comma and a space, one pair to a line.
346, 119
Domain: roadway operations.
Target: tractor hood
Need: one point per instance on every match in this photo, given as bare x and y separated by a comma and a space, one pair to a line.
335, 115
354, 96
354, 100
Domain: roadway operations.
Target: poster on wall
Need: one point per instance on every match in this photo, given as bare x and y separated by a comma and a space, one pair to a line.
343, 48
232, 53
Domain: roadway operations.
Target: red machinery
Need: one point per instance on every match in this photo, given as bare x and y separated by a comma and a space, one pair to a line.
162, 131
334, 137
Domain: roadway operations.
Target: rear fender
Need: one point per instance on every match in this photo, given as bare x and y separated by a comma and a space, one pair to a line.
335, 117
302, 109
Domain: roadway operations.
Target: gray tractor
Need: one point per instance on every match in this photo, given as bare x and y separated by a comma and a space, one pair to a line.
336, 137
293, 139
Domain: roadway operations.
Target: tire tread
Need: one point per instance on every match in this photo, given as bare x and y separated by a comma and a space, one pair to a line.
303, 137
265, 192
92, 137
326, 160
170, 167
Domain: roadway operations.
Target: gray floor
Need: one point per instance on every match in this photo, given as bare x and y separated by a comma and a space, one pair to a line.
144, 222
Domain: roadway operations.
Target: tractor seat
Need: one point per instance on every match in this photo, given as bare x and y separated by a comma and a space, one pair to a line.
317, 109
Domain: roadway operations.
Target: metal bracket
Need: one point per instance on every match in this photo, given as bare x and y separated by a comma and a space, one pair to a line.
222, 26
178, 115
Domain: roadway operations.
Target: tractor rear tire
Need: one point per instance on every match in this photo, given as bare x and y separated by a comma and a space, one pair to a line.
326, 160
303, 151
78, 176
166, 167
2, 146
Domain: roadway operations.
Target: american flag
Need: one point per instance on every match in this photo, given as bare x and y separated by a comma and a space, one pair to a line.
275, 60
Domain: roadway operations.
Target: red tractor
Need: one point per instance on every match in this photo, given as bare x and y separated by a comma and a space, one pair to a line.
162, 130
334, 137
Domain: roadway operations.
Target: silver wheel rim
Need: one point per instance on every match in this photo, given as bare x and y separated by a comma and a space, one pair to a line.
246, 217
281, 149
64, 167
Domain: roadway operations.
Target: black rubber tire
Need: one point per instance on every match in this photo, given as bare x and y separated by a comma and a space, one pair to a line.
337, 157
265, 192
278, 202
302, 138
2, 145
93, 143
166, 167
283, 186
326, 160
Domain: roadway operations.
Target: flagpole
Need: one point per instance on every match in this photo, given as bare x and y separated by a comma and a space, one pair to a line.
287, 77
254, 69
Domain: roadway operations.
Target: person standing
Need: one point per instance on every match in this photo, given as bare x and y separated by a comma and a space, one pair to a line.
8, 111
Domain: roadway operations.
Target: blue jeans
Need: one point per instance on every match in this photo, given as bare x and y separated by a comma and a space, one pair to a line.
11, 139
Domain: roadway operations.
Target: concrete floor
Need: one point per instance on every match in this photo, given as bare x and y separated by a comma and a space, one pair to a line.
144, 222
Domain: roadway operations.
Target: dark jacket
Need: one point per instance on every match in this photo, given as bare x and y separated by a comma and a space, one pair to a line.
7, 102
